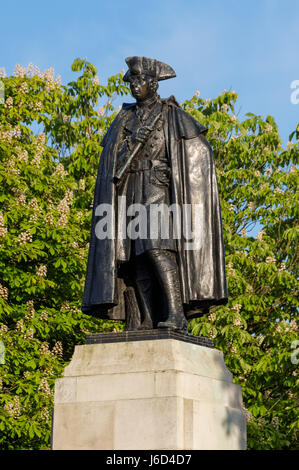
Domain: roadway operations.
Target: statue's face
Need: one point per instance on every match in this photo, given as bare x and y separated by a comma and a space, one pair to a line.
140, 87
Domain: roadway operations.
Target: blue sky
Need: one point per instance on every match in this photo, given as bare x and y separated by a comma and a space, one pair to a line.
250, 47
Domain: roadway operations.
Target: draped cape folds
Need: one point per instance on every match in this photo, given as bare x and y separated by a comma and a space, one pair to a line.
193, 182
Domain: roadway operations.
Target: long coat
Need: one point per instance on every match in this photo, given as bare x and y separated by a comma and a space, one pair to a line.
193, 182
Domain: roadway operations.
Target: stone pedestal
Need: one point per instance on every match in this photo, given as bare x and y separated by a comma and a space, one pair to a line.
148, 392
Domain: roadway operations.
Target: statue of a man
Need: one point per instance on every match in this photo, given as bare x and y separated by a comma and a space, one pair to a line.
166, 266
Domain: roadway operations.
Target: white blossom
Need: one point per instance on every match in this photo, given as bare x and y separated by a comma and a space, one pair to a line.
44, 387
3, 292
19, 71
40, 143
49, 219
24, 87
60, 171
57, 349
212, 317
30, 310
34, 204
13, 408
25, 237
249, 416
23, 156
19, 325
282, 267
82, 185
45, 415
237, 307
261, 340
65, 306
238, 321
32, 70
231, 270
33, 219
9, 103
268, 128
44, 315
275, 422
6, 136
44, 349
42, 271
29, 334
38, 106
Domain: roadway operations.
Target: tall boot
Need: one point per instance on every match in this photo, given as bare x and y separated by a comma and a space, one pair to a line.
167, 271
144, 298
132, 310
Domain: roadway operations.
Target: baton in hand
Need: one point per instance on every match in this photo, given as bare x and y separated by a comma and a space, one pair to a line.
119, 174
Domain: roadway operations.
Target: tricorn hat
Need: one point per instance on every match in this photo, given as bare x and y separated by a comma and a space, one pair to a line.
152, 67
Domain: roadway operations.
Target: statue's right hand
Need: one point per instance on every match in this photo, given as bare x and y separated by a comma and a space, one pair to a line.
142, 134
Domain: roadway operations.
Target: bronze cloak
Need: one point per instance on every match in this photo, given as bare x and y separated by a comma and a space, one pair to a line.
194, 182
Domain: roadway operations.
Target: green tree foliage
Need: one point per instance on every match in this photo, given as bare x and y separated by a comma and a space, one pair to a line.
50, 138
258, 183
49, 151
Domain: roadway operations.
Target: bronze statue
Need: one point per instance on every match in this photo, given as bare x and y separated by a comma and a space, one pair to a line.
155, 156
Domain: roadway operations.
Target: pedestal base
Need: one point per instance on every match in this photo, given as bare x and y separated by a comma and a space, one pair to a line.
147, 394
